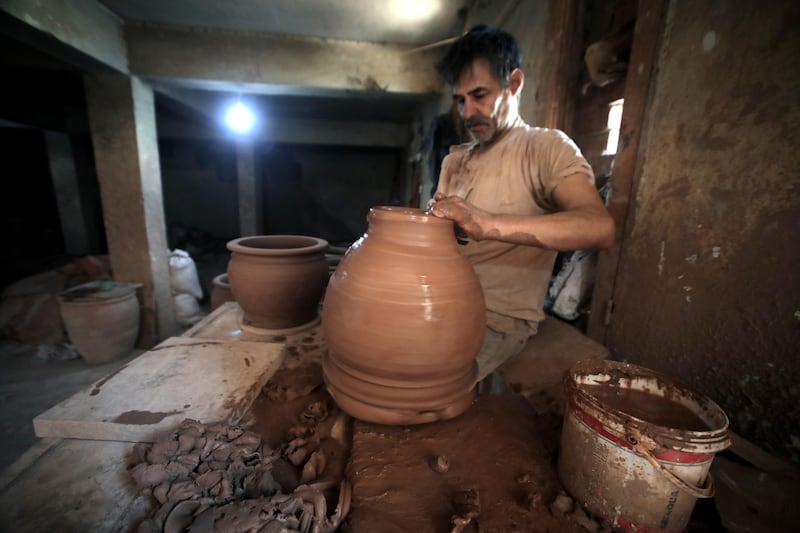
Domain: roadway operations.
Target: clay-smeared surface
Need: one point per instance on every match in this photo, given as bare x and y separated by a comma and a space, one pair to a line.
417, 478
143, 417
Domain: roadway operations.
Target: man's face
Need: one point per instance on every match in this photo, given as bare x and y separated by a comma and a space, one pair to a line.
483, 103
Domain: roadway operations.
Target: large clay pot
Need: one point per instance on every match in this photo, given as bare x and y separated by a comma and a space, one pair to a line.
220, 291
101, 319
403, 319
278, 280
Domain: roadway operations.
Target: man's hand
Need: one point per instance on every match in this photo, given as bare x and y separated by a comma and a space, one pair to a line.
582, 223
472, 221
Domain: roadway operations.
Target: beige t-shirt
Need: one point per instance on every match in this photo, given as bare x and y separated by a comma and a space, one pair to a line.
515, 174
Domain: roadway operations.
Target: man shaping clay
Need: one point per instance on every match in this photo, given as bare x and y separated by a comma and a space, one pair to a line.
519, 194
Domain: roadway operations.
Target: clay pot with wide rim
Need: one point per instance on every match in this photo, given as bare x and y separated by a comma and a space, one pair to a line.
278, 280
403, 319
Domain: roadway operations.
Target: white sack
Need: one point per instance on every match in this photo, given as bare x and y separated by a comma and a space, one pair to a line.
183, 274
187, 309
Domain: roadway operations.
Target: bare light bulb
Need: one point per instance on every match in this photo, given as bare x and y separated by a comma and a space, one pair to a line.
239, 118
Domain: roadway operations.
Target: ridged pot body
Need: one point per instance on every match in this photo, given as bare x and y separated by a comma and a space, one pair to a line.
278, 280
403, 318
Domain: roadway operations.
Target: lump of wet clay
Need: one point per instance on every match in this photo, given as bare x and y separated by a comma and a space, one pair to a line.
466, 508
561, 505
220, 478
440, 463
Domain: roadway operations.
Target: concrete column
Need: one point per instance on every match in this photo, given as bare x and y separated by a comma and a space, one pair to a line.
64, 174
250, 214
123, 128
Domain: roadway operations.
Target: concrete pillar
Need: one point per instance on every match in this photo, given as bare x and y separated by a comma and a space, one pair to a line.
69, 198
250, 214
123, 128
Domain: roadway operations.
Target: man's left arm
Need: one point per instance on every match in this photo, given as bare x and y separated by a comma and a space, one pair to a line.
582, 222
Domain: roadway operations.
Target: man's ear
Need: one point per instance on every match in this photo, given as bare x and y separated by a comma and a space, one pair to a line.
515, 81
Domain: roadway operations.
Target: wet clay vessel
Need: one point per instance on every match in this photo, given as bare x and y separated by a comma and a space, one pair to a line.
278, 280
403, 319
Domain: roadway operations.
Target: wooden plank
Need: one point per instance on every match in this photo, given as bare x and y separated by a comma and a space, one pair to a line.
203, 379
646, 38
221, 324
564, 26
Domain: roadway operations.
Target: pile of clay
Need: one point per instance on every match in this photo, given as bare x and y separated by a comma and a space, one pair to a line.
222, 478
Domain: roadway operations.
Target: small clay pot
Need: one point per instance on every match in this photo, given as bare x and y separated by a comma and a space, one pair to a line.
403, 320
221, 291
278, 280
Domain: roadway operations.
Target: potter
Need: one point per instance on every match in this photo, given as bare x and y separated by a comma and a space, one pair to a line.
518, 193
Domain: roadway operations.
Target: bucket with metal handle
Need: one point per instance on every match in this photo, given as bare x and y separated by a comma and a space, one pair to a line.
636, 448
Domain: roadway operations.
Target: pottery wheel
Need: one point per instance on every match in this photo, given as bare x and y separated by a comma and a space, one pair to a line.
282, 331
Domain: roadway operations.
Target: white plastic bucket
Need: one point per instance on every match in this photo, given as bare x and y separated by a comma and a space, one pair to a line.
636, 449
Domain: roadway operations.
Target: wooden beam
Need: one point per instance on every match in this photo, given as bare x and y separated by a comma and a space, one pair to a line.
261, 62
82, 33
627, 164
303, 131
564, 31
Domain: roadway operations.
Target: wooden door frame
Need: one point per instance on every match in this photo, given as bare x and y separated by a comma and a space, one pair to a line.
628, 161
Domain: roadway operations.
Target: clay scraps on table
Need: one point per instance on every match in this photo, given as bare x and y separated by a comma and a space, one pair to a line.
223, 478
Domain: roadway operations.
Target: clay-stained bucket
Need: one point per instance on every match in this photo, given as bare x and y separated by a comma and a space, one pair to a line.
636, 448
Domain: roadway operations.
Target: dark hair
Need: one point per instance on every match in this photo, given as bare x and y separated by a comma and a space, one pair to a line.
497, 46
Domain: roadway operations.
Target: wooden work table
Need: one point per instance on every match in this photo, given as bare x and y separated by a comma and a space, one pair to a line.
82, 484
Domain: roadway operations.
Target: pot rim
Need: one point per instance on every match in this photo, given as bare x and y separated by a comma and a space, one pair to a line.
304, 244
414, 214
609, 373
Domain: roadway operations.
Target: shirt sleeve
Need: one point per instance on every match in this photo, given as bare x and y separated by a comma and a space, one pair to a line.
559, 157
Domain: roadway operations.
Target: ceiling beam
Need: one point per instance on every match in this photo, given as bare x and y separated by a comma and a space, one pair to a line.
301, 131
80, 32
266, 63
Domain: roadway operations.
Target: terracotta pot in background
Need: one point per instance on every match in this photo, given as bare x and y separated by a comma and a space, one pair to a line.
221, 291
403, 319
101, 319
278, 280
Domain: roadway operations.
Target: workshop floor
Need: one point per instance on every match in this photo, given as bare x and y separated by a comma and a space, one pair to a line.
34, 378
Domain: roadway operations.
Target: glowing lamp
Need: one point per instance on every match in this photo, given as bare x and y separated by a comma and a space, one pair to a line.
240, 118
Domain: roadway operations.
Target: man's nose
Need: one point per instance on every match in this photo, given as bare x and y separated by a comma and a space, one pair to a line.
467, 109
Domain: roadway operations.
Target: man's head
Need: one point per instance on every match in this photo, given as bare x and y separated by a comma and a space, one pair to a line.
483, 69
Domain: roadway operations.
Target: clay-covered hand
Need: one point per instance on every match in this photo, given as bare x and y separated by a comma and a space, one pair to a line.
472, 221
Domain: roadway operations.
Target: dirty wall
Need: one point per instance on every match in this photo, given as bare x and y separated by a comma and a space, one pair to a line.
708, 287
